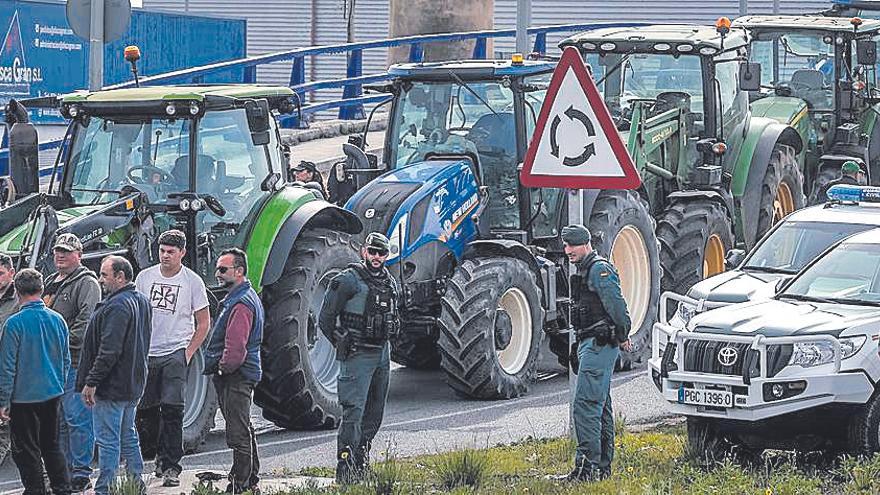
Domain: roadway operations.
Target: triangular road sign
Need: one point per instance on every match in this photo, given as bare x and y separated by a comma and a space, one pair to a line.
575, 144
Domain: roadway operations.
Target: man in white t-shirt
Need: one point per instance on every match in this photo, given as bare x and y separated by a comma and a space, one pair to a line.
181, 321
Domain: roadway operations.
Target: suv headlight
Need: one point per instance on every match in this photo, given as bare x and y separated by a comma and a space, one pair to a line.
807, 354
685, 312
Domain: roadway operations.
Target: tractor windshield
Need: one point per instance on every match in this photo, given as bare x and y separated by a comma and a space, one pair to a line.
448, 117
640, 76
108, 153
802, 62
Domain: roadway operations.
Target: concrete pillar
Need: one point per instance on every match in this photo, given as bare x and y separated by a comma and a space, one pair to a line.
414, 17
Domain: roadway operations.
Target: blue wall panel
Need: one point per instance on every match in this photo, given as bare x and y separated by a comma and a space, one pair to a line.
40, 55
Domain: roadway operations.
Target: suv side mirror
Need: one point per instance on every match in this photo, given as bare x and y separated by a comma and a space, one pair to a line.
866, 52
779, 283
734, 258
258, 116
750, 76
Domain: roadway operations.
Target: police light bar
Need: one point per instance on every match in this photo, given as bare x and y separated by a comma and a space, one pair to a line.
856, 194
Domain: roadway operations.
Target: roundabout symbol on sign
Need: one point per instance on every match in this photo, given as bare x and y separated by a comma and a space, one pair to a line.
589, 149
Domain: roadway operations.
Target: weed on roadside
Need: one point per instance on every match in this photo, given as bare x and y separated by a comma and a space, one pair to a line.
463, 468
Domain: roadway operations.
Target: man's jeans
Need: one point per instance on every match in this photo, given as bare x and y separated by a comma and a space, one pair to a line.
76, 436
235, 393
116, 434
593, 417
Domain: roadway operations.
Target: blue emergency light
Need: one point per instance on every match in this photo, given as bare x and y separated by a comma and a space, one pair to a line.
855, 194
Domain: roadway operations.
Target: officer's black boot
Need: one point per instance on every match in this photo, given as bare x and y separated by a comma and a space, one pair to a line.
347, 472
583, 471
363, 458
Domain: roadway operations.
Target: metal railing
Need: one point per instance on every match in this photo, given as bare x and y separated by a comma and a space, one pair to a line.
351, 104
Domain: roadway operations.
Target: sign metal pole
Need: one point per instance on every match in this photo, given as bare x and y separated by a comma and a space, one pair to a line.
96, 46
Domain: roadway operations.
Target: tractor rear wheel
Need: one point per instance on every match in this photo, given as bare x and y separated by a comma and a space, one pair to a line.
298, 390
491, 325
416, 352
781, 190
694, 239
623, 232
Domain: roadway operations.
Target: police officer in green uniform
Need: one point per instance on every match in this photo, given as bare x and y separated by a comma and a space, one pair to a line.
601, 321
360, 316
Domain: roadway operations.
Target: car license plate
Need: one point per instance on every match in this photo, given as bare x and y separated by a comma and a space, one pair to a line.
705, 397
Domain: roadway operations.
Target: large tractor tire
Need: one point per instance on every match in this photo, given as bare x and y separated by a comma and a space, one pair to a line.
623, 232
694, 238
781, 190
201, 404
491, 326
825, 176
419, 353
298, 390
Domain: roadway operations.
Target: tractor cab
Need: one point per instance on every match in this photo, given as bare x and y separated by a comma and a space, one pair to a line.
829, 63
137, 162
483, 112
643, 72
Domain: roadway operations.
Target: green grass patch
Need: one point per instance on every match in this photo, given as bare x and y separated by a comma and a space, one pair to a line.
650, 462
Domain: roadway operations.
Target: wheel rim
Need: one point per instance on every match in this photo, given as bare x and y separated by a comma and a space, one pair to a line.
784, 202
630, 256
322, 354
713, 257
196, 390
514, 356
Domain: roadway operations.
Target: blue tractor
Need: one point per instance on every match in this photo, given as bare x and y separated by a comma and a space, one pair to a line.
480, 256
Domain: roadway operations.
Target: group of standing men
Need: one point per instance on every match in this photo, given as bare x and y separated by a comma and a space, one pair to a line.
76, 370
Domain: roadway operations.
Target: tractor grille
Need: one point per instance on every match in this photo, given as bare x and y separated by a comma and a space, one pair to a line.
384, 199
703, 357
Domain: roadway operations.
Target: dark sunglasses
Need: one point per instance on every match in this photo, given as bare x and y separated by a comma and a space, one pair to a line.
224, 269
377, 251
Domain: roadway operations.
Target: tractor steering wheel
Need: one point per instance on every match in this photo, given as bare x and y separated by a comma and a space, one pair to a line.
147, 171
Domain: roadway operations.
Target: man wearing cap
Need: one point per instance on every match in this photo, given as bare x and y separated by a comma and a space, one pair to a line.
307, 173
601, 320
360, 316
849, 175
73, 291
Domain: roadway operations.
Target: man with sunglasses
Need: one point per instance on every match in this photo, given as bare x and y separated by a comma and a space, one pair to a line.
360, 316
233, 357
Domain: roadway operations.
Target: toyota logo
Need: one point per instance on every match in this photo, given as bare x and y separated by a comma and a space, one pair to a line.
727, 356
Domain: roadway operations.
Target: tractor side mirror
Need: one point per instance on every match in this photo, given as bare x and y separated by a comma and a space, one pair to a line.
24, 158
750, 76
258, 116
734, 258
866, 52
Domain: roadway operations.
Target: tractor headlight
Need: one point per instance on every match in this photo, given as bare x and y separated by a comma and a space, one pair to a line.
808, 354
398, 237
184, 204
196, 204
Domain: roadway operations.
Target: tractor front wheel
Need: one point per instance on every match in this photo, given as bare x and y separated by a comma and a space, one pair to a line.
298, 390
491, 325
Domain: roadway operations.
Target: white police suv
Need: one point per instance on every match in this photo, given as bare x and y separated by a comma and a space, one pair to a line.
780, 254
796, 371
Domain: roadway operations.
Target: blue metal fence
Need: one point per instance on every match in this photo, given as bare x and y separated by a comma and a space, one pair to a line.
352, 101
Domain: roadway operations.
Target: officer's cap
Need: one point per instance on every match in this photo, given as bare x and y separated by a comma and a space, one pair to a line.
850, 167
378, 241
576, 235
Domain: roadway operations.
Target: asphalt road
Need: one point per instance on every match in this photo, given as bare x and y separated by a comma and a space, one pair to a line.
424, 416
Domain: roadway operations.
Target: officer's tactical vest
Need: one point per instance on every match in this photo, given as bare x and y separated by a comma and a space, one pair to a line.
373, 319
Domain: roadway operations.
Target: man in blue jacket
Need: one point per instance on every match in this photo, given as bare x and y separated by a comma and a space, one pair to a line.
233, 357
34, 361
113, 370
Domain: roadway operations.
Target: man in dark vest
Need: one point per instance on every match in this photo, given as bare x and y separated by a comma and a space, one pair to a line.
601, 321
360, 316
233, 357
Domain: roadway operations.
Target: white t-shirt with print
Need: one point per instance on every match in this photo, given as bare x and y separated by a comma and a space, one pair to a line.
175, 301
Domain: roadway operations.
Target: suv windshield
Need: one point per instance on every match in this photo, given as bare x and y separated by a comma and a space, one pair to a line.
794, 244
803, 61
849, 273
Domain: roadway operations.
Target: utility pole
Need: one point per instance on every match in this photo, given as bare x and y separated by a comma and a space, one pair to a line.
523, 21
96, 46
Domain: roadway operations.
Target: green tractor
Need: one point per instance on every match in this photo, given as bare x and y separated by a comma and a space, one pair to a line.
206, 160
821, 78
713, 173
